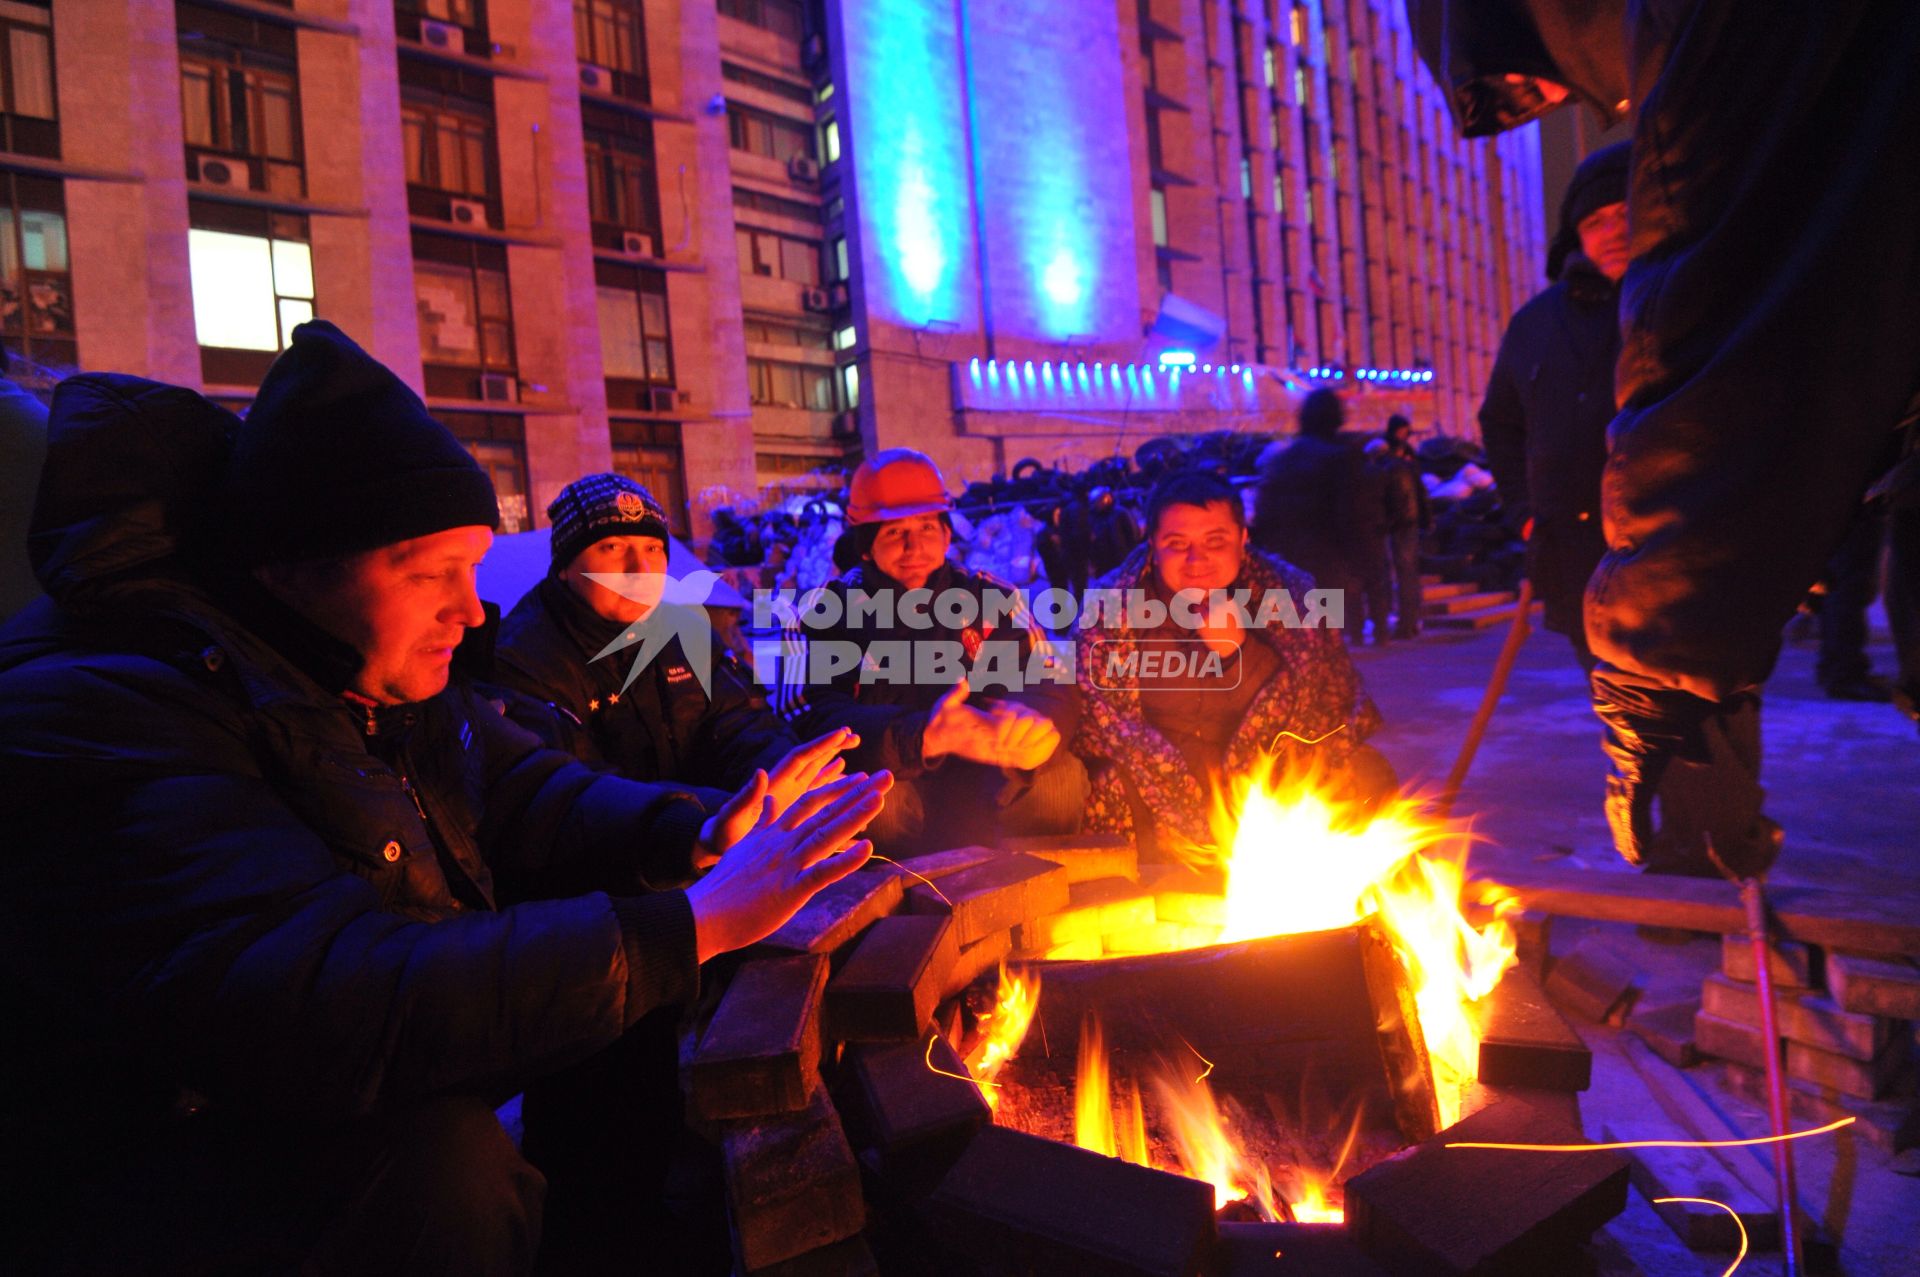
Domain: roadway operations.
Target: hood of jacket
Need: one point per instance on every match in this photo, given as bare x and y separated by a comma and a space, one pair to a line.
131, 474
1499, 60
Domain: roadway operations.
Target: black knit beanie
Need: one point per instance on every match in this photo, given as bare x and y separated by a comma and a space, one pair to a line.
601, 505
1600, 180
338, 456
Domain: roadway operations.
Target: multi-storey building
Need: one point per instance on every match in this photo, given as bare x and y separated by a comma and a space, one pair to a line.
729, 244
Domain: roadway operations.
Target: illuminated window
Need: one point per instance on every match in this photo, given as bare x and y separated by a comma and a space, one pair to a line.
783, 385
830, 140
610, 33
1157, 200
777, 256
1246, 177
1297, 25
850, 385
249, 292
843, 338
840, 270
28, 109
36, 284
1267, 63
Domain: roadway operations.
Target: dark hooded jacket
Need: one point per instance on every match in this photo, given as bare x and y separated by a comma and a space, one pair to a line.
226, 885
1544, 423
662, 726
1315, 505
1770, 346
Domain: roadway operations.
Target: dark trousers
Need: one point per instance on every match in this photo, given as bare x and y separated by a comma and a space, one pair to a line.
1376, 581
1853, 578
632, 1189
434, 1188
1406, 579
960, 803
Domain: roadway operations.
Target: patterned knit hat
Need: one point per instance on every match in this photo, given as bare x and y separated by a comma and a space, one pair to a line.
601, 505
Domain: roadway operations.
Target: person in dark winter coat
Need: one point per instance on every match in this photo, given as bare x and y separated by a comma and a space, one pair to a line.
1550, 395
1769, 349
916, 681
1307, 508
664, 725
1158, 749
284, 913
1408, 516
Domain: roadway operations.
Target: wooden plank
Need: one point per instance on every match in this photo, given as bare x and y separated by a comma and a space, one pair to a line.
995, 896
915, 1120
976, 960
938, 864
761, 1053
1889, 1125
849, 1258
1085, 857
1590, 981
1875, 986
1524, 1041
1026, 1204
1441, 1210
1668, 1029
1696, 1172
890, 984
1790, 964
838, 912
1862, 1079
1094, 908
1883, 924
1812, 1019
792, 1184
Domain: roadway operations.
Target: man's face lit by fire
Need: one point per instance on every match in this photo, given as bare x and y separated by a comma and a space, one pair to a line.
909, 550
1603, 238
642, 560
1198, 547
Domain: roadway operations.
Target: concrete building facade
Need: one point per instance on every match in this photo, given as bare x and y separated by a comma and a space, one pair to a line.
730, 245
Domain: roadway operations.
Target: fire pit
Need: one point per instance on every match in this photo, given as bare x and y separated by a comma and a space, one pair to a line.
1161, 1052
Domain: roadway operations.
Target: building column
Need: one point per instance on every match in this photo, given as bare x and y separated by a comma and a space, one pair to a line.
132, 291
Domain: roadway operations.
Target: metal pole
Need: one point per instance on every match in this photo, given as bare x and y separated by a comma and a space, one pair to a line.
1756, 908
1502, 669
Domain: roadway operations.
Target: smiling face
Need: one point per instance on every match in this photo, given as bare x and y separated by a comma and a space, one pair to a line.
1198, 547
642, 560
404, 607
909, 550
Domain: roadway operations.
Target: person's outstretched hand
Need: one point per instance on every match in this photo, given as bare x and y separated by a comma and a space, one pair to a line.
806, 767
955, 727
767, 875
1027, 738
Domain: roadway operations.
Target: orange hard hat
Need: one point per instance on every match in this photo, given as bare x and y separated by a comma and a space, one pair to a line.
898, 483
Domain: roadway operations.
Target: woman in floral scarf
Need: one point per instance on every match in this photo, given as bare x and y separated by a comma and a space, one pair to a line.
1175, 706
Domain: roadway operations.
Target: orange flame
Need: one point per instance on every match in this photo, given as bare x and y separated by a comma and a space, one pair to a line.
1003, 1029
1300, 859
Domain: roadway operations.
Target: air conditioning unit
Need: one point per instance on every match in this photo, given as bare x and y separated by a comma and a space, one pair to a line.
442, 35
846, 425
497, 387
468, 213
817, 300
599, 79
662, 399
635, 244
222, 173
801, 168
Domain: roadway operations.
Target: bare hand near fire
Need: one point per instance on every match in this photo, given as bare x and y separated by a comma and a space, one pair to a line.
807, 767
1002, 734
768, 874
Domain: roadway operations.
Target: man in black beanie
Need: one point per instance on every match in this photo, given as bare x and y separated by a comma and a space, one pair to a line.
258, 950
667, 721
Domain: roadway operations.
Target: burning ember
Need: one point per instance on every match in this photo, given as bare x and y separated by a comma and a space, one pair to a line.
1295, 860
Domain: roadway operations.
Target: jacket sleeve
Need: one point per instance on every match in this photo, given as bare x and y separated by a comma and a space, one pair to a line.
553, 827
158, 886
739, 732
890, 735
1503, 432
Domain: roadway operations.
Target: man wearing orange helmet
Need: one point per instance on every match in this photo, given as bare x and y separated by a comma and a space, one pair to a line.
918, 639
